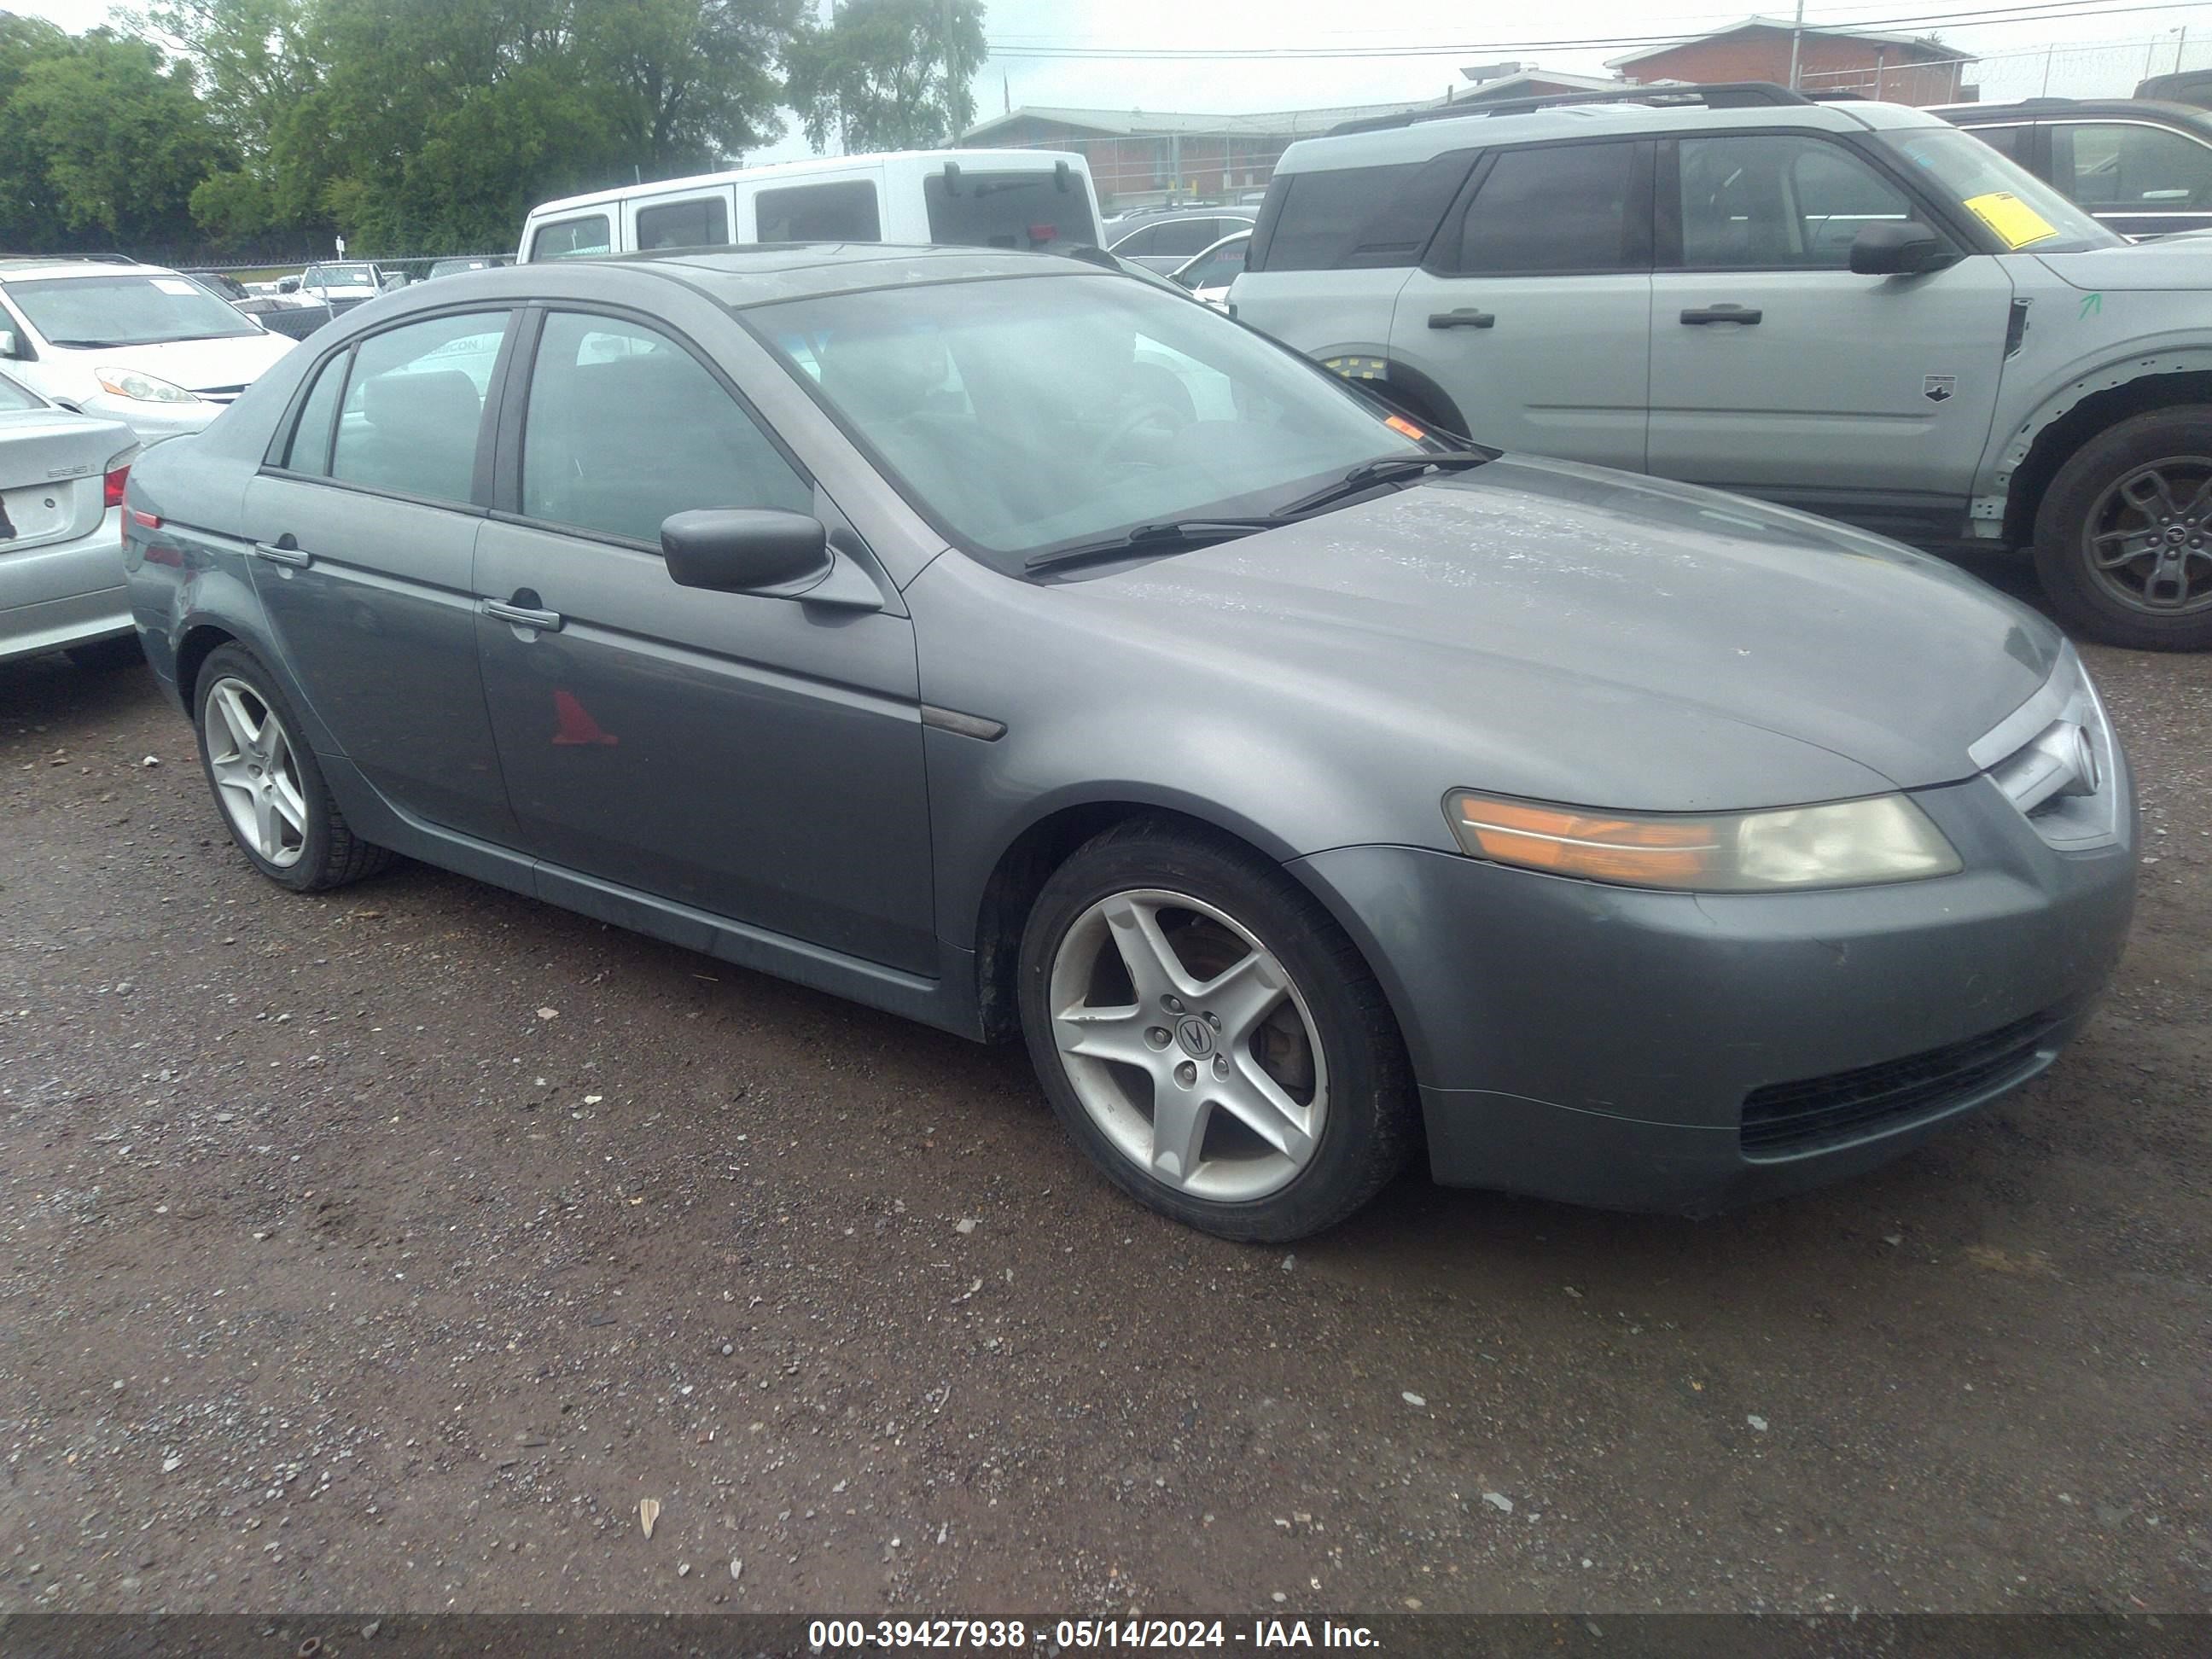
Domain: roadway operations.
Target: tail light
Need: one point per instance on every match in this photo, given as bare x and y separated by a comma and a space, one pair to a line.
110, 494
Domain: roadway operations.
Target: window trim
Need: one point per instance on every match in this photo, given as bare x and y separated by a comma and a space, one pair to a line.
1639, 244
505, 484
1666, 203
487, 425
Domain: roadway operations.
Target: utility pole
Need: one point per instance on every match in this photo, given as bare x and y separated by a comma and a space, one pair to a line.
1796, 39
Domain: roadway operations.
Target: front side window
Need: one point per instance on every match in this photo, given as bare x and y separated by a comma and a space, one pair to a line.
842, 212
1219, 267
625, 427
1022, 415
573, 239
1565, 209
704, 222
1763, 201
1026, 210
414, 406
78, 313
2007, 142
2120, 166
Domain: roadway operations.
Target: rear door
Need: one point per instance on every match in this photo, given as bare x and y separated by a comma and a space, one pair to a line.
364, 521
1777, 371
1533, 309
757, 758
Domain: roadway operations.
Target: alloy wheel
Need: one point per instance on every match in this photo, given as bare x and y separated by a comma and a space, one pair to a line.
257, 773
1189, 1045
2148, 539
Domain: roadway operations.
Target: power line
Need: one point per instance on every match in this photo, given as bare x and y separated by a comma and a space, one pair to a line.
2051, 11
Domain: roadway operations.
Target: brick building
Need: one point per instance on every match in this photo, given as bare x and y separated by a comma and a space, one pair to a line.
1902, 68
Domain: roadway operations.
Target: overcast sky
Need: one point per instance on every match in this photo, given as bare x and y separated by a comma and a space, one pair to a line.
2093, 46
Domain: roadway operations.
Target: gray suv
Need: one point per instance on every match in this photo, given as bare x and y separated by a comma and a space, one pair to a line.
1850, 308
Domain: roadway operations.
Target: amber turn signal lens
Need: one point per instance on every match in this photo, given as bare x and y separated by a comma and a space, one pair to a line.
1645, 852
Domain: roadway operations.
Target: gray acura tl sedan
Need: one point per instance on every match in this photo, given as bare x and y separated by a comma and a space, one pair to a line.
1014, 645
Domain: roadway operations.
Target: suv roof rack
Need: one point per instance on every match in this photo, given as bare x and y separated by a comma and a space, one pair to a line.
1718, 95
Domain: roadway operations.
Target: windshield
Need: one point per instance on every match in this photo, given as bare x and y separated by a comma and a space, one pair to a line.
14, 398
124, 310
2020, 209
340, 276
1030, 414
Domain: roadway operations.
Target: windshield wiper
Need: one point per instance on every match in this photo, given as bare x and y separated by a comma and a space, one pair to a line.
1391, 469
1146, 538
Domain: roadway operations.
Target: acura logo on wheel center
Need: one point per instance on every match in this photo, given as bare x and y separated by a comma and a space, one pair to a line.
1196, 1036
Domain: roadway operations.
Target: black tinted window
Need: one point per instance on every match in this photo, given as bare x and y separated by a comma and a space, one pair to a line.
414, 404
1185, 236
842, 212
1010, 210
1321, 213
2124, 166
703, 223
2006, 141
310, 448
1564, 209
572, 239
625, 427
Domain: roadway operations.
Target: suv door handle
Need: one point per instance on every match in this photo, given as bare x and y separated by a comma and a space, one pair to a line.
1722, 313
547, 622
279, 552
1467, 318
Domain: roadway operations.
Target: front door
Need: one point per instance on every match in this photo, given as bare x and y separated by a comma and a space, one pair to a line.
757, 758
1532, 312
366, 530
1777, 371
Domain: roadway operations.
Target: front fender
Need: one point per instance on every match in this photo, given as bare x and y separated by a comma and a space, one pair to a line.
2046, 401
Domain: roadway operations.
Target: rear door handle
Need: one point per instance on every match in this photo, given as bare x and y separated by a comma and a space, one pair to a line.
1466, 319
546, 621
279, 553
1722, 313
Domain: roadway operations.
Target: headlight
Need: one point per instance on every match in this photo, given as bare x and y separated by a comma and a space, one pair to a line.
1846, 843
141, 388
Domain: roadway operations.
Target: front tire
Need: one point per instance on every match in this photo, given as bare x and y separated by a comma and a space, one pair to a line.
1210, 1037
2124, 536
266, 783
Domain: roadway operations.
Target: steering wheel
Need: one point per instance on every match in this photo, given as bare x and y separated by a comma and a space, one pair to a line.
1147, 413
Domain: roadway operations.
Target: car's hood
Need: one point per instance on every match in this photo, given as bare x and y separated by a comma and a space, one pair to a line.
196, 365
1669, 648
2173, 263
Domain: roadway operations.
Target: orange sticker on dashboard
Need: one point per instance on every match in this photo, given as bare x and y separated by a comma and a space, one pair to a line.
1399, 423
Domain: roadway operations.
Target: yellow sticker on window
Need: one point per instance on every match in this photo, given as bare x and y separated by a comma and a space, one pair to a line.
2017, 224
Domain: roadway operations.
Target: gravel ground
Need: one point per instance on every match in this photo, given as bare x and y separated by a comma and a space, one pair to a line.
388, 1248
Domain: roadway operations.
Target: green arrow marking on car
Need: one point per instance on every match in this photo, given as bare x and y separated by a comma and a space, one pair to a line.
2092, 302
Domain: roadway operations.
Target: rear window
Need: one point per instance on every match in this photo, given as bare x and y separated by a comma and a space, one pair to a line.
1322, 214
572, 239
14, 398
1023, 210
703, 222
843, 212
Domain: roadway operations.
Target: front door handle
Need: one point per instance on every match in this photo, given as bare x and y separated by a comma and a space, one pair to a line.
546, 621
1722, 313
284, 550
1463, 318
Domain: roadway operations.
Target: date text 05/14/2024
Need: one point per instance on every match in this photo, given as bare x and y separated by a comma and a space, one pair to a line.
1085, 1635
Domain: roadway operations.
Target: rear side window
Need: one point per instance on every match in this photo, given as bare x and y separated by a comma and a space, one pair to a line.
2123, 167
1013, 210
701, 223
1175, 238
573, 239
310, 449
1322, 214
2006, 141
1563, 209
414, 405
842, 212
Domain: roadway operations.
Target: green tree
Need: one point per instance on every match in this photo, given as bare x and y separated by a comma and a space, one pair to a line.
124, 137
888, 74
30, 214
697, 78
251, 56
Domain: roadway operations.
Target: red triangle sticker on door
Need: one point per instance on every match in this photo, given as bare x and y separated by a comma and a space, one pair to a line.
577, 726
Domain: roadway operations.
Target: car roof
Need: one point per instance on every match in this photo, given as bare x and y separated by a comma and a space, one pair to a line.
32, 268
779, 172
2064, 109
1481, 129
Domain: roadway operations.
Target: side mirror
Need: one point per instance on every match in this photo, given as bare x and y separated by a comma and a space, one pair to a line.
287, 284
745, 550
10, 345
1888, 248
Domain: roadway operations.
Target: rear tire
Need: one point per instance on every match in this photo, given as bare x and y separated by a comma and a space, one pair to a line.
267, 786
1210, 1037
2124, 536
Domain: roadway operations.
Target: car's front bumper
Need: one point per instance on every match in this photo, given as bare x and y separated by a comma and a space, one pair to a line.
151, 422
1599, 1044
63, 594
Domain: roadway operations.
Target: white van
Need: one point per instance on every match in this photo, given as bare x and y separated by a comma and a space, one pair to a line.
1017, 199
